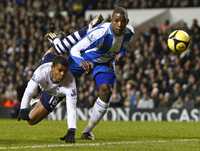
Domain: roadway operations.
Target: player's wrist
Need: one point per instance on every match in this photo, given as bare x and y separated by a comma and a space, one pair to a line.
24, 114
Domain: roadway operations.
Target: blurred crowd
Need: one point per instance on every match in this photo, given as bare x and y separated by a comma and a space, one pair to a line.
149, 77
22, 44
154, 77
138, 4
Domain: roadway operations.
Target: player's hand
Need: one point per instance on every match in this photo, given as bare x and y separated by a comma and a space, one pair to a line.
23, 114
50, 36
87, 66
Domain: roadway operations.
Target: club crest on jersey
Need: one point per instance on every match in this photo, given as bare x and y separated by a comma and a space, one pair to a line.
91, 37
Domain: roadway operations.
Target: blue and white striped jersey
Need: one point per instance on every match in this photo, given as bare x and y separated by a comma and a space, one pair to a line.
64, 44
100, 45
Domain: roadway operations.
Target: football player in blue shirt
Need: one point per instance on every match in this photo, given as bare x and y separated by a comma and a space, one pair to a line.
96, 53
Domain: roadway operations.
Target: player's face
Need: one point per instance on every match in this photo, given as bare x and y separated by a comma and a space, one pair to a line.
118, 23
58, 72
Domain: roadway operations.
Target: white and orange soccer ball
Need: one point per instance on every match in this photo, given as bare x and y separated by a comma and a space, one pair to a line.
178, 41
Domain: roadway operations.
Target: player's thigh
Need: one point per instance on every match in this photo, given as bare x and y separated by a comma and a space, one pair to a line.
103, 74
104, 78
104, 82
38, 113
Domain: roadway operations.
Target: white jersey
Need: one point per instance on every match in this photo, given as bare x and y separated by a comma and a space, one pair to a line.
42, 78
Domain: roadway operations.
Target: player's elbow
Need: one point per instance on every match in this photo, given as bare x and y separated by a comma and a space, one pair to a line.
74, 51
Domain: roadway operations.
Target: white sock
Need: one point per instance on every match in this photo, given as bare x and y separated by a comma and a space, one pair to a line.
71, 111
98, 111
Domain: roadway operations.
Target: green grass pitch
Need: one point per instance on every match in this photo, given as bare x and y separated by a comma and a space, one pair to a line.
115, 136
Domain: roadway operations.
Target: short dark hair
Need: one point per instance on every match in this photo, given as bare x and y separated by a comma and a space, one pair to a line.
120, 10
60, 60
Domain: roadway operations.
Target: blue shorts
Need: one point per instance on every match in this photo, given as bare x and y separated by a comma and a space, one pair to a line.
49, 102
105, 78
102, 73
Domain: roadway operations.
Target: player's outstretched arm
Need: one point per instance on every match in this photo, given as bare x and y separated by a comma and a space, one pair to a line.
62, 43
92, 39
30, 91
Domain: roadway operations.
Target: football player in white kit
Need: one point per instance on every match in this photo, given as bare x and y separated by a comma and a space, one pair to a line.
56, 82
48, 77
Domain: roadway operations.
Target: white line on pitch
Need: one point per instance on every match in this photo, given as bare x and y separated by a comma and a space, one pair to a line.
96, 144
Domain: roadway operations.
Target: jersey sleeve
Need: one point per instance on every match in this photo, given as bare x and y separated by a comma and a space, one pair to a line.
37, 76
64, 44
30, 91
92, 39
32, 87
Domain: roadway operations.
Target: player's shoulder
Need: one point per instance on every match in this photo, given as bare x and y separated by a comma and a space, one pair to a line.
42, 71
128, 33
129, 30
105, 25
44, 67
102, 28
98, 32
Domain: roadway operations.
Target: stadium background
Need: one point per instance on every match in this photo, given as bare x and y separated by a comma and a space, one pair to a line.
150, 79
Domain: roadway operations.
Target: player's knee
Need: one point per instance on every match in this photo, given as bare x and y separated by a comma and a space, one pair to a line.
105, 92
32, 121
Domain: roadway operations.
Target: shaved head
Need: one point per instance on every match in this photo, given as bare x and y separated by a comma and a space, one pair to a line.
122, 11
119, 20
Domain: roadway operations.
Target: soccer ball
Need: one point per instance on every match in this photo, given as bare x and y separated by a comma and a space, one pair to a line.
178, 41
